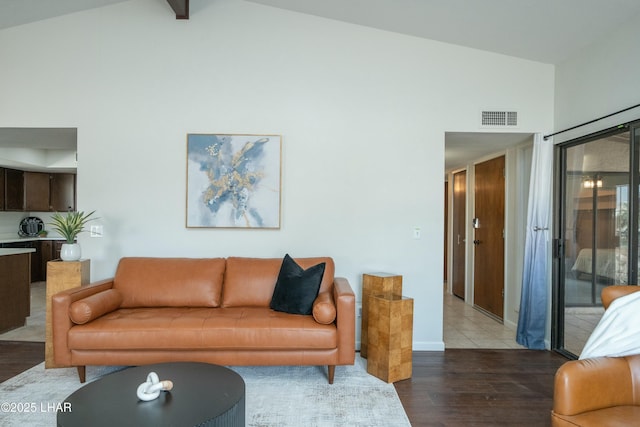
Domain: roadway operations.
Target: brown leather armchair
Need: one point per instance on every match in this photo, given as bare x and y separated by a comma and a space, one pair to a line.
603, 391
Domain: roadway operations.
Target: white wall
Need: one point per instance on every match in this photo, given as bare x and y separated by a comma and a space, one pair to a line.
362, 113
36, 159
598, 81
10, 224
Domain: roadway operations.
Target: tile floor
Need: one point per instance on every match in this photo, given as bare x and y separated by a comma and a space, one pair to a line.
466, 327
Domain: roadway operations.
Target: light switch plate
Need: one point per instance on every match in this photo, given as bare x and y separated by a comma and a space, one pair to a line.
95, 231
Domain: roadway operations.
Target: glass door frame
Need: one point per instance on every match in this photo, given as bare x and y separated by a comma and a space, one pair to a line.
558, 253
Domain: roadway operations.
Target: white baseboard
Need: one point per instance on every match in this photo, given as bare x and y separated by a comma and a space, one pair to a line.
420, 345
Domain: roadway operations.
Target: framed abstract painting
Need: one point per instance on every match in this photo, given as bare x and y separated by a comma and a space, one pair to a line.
233, 181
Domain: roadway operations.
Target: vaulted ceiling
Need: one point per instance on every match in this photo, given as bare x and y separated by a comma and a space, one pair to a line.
541, 30
548, 31
19, 12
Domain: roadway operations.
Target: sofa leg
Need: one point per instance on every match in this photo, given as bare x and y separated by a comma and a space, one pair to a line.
332, 372
82, 373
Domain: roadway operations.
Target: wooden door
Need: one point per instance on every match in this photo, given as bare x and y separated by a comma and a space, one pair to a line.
63, 192
459, 233
14, 190
36, 190
489, 236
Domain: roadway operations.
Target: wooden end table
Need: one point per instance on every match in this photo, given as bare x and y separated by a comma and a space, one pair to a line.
375, 283
390, 337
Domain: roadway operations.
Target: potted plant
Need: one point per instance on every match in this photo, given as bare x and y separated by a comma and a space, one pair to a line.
69, 226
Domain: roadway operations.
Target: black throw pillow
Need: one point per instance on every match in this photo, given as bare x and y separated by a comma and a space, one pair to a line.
296, 288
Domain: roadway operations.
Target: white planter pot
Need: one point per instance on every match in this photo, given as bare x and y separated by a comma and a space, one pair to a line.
70, 252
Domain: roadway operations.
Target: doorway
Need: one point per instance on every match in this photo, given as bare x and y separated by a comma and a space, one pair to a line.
48, 150
463, 151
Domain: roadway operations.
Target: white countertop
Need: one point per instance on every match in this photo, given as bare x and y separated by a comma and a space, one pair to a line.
9, 239
15, 251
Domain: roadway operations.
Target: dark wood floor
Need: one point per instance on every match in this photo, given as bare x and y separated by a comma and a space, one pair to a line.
18, 356
472, 387
457, 387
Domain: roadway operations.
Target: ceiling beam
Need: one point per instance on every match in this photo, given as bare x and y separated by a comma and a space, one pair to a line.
180, 7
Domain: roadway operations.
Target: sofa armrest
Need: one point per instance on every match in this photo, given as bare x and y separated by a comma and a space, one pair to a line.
345, 301
609, 293
61, 321
592, 384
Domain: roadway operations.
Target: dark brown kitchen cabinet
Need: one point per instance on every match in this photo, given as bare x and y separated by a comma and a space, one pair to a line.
36, 257
25, 191
37, 274
63, 192
36, 191
45, 251
14, 190
46, 255
14, 291
1, 189
57, 247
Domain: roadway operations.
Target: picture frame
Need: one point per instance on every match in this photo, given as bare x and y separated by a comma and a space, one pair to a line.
233, 181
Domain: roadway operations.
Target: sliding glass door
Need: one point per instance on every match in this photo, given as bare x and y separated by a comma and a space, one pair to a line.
595, 245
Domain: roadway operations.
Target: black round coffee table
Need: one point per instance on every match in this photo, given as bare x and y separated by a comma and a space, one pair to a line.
202, 395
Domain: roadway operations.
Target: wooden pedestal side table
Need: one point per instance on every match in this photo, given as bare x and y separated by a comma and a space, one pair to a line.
390, 337
375, 283
61, 275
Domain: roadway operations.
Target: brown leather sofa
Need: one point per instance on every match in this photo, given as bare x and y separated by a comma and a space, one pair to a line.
602, 391
212, 310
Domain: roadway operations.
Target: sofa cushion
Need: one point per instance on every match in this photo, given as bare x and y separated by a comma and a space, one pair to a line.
296, 288
249, 282
94, 306
170, 282
183, 328
324, 309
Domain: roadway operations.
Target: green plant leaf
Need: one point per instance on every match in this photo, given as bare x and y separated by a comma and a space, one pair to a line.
71, 224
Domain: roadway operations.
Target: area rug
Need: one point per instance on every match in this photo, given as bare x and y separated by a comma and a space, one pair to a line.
275, 396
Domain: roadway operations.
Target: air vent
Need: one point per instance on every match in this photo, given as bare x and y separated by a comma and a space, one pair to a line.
499, 118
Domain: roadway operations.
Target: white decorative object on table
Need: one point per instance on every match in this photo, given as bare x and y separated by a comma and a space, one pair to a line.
151, 388
70, 252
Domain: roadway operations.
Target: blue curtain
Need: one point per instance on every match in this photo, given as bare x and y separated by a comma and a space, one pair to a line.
534, 300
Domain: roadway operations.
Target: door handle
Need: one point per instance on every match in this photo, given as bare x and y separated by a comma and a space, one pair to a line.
476, 242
